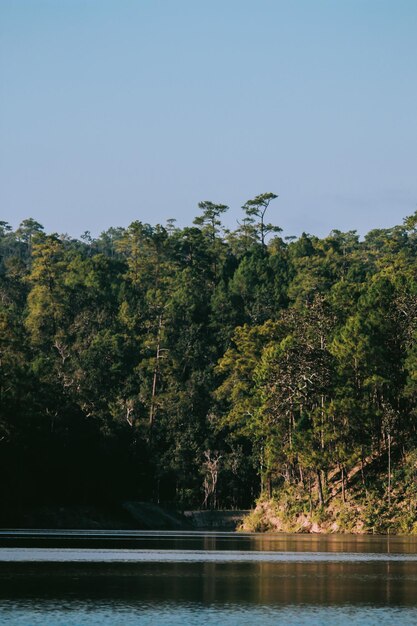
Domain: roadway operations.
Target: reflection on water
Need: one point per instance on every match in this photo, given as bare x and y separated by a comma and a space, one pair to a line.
367, 580
217, 583
157, 540
50, 614
101, 555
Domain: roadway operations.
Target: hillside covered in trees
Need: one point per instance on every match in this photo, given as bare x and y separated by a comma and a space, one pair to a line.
200, 367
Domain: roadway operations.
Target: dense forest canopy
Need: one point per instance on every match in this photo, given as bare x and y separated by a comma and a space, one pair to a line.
199, 366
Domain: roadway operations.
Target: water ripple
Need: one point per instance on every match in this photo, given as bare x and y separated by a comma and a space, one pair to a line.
66, 555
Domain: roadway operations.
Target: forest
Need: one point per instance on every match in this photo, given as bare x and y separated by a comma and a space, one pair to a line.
202, 367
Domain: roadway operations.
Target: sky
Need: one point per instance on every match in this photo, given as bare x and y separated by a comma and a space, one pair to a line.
119, 110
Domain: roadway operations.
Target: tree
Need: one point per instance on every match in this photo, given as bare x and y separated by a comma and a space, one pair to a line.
257, 207
209, 220
29, 232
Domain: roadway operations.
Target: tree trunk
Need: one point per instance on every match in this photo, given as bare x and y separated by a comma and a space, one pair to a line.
389, 470
155, 373
269, 485
343, 483
363, 474
320, 488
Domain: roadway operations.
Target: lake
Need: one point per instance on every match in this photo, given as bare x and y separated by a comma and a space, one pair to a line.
168, 578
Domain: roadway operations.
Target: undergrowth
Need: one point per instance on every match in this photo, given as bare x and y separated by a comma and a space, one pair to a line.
369, 507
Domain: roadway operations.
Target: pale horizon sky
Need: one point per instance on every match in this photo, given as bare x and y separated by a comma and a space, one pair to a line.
117, 110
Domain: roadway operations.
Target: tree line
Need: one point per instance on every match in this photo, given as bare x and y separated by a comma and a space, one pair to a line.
201, 366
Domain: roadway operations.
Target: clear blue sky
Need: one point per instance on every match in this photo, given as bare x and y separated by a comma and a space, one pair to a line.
115, 110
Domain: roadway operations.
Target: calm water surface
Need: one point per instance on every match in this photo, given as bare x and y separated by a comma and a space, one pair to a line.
90, 578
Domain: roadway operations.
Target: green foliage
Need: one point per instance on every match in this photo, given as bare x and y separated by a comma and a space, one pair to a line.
198, 365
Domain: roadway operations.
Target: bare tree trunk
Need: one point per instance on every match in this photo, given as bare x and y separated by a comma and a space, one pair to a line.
211, 465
